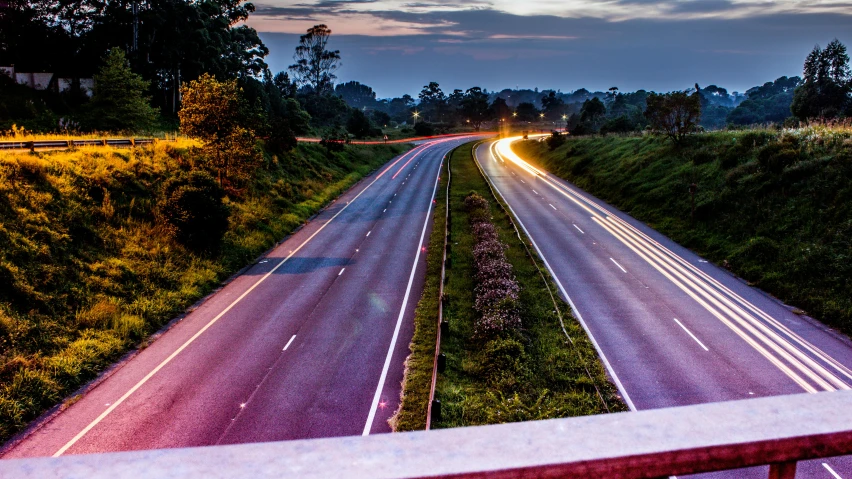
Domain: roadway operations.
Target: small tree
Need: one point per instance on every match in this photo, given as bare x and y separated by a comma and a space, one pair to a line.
213, 112
119, 101
675, 114
192, 205
358, 124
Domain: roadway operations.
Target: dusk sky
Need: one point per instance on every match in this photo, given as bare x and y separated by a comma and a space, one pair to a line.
397, 46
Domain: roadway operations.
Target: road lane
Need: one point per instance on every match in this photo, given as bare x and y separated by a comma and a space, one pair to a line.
673, 329
292, 348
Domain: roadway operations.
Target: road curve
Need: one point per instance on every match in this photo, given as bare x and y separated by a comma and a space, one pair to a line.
308, 342
671, 328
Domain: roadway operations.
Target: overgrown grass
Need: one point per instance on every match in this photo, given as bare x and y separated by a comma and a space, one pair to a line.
87, 271
531, 374
773, 206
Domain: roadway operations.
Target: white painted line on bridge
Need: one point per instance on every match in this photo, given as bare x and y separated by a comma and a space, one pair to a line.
289, 343
578, 228
691, 335
831, 471
619, 266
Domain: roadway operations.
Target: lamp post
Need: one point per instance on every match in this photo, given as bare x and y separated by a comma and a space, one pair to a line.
416, 116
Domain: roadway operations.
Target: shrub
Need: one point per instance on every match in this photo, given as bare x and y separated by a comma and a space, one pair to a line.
192, 205
424, 129
776, 156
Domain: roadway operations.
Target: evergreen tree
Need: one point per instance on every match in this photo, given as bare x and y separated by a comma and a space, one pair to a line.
119, 102
827, 84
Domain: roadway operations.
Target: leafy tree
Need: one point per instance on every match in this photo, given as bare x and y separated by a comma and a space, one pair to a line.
213, 112
827, 84
315, 66
474, 106
400, 108
500, 109
286, 88
118, 102
527, 112
358, 124
552, 106
192, 205
356, 94
768, 103
433, 102
380, 118
675, 114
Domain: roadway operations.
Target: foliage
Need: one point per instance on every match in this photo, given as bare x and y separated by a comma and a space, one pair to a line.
192, 205
315, 66
358, 124
118, 103
772, 205
213, 112
423, 128
674, 115
474, 107
827, 84
356, 95
769, 103
88, 269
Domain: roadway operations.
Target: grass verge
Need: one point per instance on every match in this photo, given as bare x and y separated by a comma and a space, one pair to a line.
88, 271
534, 373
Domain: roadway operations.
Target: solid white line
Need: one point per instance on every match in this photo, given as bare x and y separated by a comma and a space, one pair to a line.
209, 324
289, 342
574, 309
341, 271
378, 395
578, 228
831, 471
619, 266
691, 335
552, 206
368, 232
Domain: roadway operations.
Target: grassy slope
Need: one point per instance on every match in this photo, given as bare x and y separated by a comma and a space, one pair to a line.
87, 272
481, 385
787, 229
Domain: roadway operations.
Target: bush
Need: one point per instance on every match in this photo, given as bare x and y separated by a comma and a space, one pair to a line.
192, 205
424, 129
556, 140
777, 156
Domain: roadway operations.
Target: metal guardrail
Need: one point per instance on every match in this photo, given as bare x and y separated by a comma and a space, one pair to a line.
656, 443
56, 144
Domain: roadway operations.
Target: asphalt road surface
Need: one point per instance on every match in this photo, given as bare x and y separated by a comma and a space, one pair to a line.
308, 342
672, 328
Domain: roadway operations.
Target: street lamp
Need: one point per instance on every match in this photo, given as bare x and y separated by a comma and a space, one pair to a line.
416, 116
514, 114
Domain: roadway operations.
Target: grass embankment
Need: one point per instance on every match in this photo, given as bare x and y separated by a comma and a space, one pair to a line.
517, 375
774, 207
88, 271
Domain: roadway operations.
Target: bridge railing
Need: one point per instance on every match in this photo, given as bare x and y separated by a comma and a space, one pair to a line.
778, 431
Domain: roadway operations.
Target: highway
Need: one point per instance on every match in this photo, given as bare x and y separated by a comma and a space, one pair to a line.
308, 342
671, 328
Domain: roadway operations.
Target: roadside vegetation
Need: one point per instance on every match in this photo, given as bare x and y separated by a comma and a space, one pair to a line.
103, 246
773, 206
507, 356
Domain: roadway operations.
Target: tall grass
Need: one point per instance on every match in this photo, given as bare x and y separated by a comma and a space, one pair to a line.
774, 206
87, 271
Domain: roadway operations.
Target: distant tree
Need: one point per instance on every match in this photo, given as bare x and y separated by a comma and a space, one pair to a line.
286, 88
474, 106
119, 101
358, 124
400, 108
675, 114
827, 84
315, 66
552, 106
768, 103
213, 112
500, 110
380, 118
527, 112
433, 102
593, 114
356, 95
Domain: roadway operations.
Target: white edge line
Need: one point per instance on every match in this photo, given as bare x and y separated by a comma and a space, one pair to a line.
376, 397
579, 316
578, 228
201, 331
289, 343
831, 471
619, 266
691, 335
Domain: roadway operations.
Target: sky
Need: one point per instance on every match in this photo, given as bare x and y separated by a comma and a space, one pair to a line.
397, 46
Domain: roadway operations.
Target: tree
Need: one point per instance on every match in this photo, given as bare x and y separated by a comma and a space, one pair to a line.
500, 109
213, 112
433, 102
315, 66
474, 107
192, 205
286, 88
527, 112
827, 84
358, 124
592, 114
552, 106
675, 114
356, 94
119, 102
768, 103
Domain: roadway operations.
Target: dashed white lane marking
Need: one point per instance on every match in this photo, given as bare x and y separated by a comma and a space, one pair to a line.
368, 232
341, 271
534, 191
619, 266
554, 208
691, 335
831, 471
384, 210
289, 343
524, 182
578, 228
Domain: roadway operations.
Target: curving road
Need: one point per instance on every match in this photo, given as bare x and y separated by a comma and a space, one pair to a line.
672, 328
308, 342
